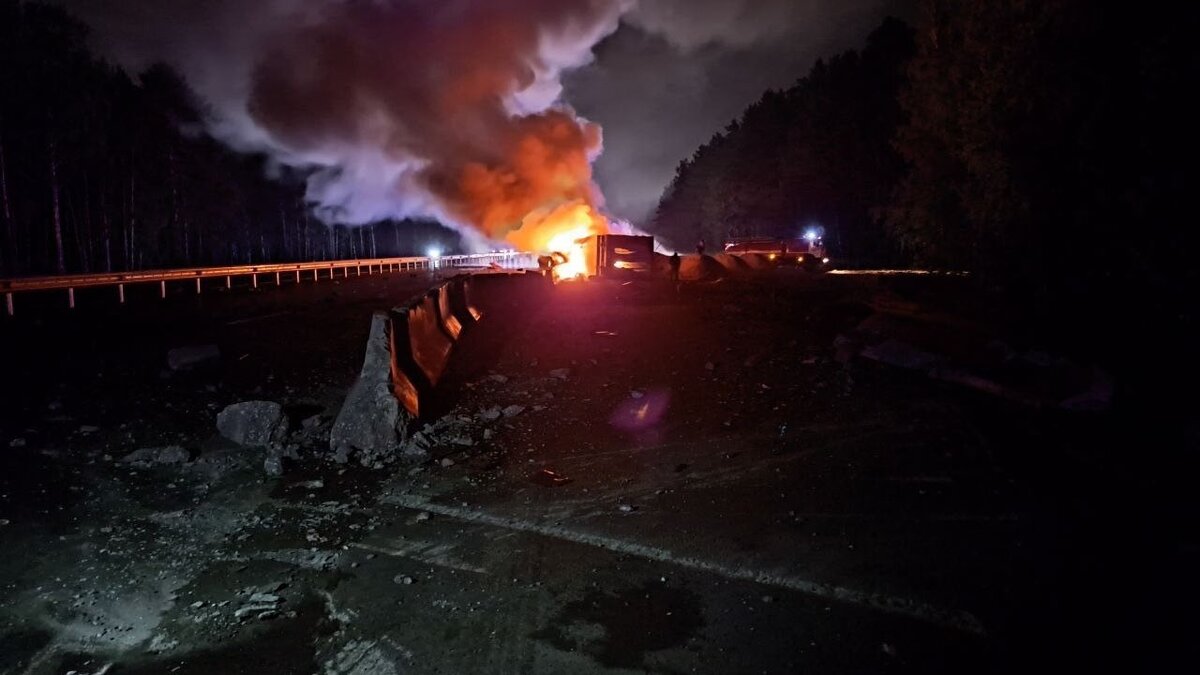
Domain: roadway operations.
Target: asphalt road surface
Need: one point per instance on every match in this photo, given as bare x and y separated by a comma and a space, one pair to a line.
625, 478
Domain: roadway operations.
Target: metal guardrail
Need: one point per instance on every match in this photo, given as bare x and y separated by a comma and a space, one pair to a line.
327, 269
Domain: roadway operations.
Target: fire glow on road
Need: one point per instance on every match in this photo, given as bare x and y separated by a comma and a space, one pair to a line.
891, 273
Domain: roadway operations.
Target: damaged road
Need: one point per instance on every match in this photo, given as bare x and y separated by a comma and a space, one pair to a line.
614, 478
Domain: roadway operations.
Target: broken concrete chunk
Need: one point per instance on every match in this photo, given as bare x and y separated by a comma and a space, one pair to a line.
372, 421
561, 373
253, 423
273, 465
184, 358
514, 410
146, 457
901, 355
341, 455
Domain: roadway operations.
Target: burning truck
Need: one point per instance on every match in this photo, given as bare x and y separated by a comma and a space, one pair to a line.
601, 256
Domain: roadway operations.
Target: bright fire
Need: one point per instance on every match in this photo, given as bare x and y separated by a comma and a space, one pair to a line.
561, 230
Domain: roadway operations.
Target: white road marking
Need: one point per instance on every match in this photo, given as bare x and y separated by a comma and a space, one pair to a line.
956, 619
432, 554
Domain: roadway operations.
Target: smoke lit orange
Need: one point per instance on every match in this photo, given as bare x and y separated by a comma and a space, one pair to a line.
560, 230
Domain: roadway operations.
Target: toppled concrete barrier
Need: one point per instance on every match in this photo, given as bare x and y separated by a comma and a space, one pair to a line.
373, 422
701, 268
733, 264
463, 302
253, 423
428, 340
451, 325
407, 354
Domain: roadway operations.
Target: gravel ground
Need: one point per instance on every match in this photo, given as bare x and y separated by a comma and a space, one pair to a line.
621, 478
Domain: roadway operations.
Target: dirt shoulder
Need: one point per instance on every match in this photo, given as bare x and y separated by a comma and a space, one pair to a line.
626, 478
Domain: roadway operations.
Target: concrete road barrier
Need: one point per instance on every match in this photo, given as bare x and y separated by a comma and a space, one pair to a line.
461, 305
408, 352
700, 268
428, 340
372, 421
451, 326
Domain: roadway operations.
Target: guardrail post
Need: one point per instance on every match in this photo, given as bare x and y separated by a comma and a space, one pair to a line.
297, 276
197, 285
121, 293
162, 289
228, 281
277, 279
71, 298
314, 274
254, 276
9, 302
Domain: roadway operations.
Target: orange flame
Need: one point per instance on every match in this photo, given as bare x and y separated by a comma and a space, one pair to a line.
560, 230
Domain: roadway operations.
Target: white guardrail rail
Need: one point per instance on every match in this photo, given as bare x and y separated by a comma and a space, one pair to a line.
327, 269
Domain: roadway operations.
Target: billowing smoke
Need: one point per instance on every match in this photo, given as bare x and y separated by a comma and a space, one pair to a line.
453, 109
442, 108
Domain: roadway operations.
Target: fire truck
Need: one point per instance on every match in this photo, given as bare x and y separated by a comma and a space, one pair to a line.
808, 252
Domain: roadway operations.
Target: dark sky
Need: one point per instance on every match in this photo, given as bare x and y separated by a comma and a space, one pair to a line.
678, 71
660, 77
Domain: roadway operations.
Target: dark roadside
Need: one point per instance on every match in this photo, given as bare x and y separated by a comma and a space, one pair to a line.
723, 495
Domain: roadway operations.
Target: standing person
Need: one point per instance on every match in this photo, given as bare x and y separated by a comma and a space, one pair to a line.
675, 268
546, 265
700, 247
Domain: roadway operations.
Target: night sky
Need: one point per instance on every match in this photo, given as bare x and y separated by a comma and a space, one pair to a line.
665, 76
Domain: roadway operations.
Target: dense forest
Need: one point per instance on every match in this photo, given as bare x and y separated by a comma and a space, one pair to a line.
1049, 148
100, 171
819, 154
1046, 147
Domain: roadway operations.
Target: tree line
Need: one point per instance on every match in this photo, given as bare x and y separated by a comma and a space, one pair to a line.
102, 171
1047, 147
818, 154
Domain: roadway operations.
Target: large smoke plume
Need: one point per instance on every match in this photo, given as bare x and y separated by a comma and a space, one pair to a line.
454, 109
398, 108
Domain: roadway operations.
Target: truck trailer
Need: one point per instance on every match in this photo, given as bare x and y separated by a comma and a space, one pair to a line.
619, 255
